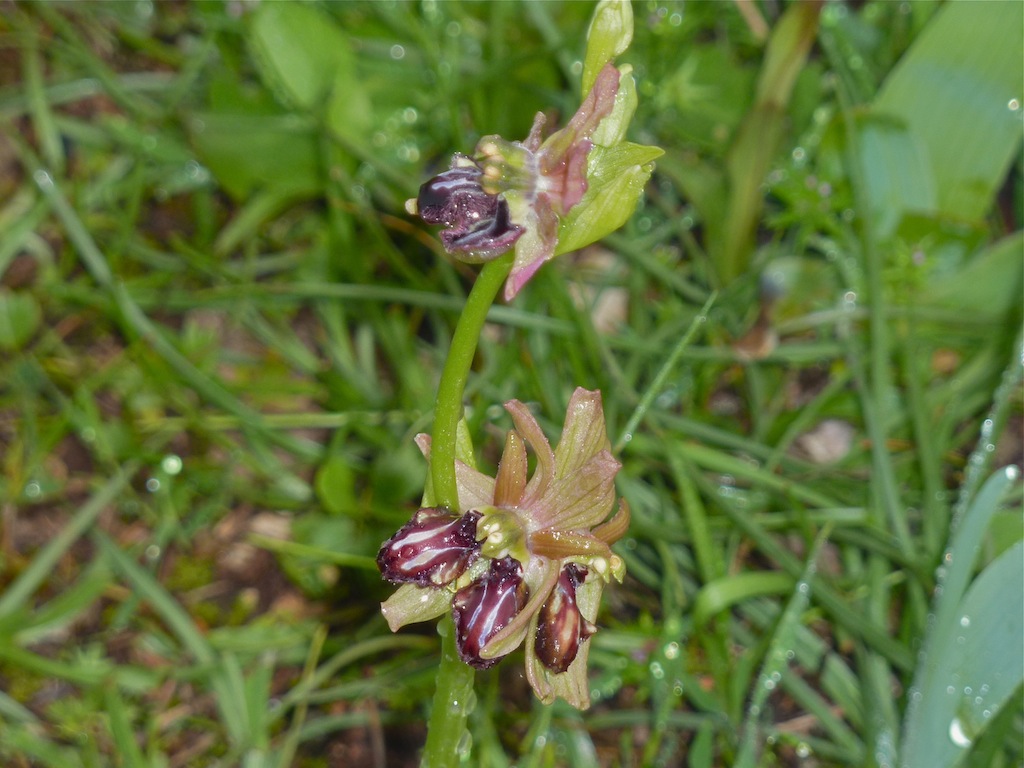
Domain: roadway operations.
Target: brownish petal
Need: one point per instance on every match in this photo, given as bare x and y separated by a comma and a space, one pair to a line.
614, 529
559, 545
527, 426
510, 481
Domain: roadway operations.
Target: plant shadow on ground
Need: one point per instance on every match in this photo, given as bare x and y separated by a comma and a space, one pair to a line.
220, 333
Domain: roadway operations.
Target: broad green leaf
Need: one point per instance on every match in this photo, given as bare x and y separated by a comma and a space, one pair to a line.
977, 667
335, 486
616, 180
989, 284
897, 176
249, 153
720, 594
959, 90
299, 50
307, 60
971, 660
20, 316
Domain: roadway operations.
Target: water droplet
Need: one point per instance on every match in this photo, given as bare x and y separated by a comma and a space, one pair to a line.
171, 464
32, 489
465, 744
672, 650
43, 179
957, 735
153, 485
803, 750
950, 690
397, 52
965, 621
410, 115
769, 685
803, 587
1013, 105
799, 154
657, 671
1012, 472
409, 153
152, 552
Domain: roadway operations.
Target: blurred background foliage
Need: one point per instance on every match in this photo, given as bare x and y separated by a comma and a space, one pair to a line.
220, 332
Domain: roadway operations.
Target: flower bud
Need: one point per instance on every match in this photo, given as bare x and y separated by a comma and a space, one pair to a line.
432, 549
561, 627
486, 607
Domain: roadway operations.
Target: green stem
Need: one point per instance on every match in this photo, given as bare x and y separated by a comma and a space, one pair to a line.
448, 409
454, 687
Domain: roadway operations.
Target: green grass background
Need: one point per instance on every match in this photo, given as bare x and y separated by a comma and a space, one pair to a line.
219, 333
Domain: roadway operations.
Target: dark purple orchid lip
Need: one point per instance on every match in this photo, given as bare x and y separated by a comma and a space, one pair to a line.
561, 627
432, 549
478, 224
486, 606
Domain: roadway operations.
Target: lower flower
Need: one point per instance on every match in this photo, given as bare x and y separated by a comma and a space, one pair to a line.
526, 564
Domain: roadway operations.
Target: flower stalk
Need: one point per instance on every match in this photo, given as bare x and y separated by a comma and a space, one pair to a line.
448, 406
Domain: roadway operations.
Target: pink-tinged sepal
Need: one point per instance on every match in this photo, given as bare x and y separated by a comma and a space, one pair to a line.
561, 628
431, 550
485, 607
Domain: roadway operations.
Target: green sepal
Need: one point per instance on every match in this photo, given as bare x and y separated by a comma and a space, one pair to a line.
616, 178
411, 603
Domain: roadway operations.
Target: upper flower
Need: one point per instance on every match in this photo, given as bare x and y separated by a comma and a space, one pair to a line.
549, 196
516, 193
540, 555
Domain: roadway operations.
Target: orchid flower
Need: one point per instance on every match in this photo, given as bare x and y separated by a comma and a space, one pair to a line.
548, 196
528, 557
